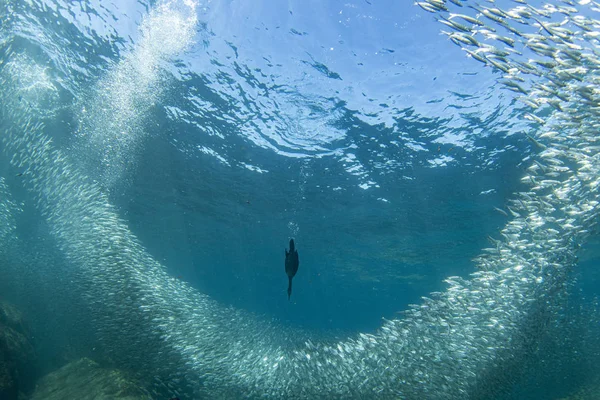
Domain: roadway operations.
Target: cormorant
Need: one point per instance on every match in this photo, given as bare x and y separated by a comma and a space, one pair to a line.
291, 264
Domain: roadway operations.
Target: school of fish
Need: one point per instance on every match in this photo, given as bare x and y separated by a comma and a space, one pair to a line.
455, 344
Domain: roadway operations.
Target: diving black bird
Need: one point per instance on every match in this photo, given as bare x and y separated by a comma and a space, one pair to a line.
291, 264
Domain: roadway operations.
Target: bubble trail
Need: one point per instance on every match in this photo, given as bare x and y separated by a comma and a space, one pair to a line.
456, 344
112, 127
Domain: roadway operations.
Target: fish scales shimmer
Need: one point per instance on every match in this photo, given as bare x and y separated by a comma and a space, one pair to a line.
439, 348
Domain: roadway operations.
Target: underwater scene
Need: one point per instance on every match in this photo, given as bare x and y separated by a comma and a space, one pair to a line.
316, 199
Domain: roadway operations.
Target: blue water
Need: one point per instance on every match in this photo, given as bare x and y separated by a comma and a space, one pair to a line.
219, 130
358, 252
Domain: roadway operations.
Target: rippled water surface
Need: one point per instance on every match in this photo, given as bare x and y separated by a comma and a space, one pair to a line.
158, 156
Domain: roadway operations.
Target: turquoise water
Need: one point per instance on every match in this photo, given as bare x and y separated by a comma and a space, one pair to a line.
157, 157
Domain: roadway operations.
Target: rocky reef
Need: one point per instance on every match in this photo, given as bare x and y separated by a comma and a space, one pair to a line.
85, 379
82, 379
16, 352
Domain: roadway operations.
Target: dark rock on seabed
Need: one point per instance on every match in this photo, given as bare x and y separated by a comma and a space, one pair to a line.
16, 352
84, 379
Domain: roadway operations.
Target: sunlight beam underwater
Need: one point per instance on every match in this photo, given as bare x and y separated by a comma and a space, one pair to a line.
456, 344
